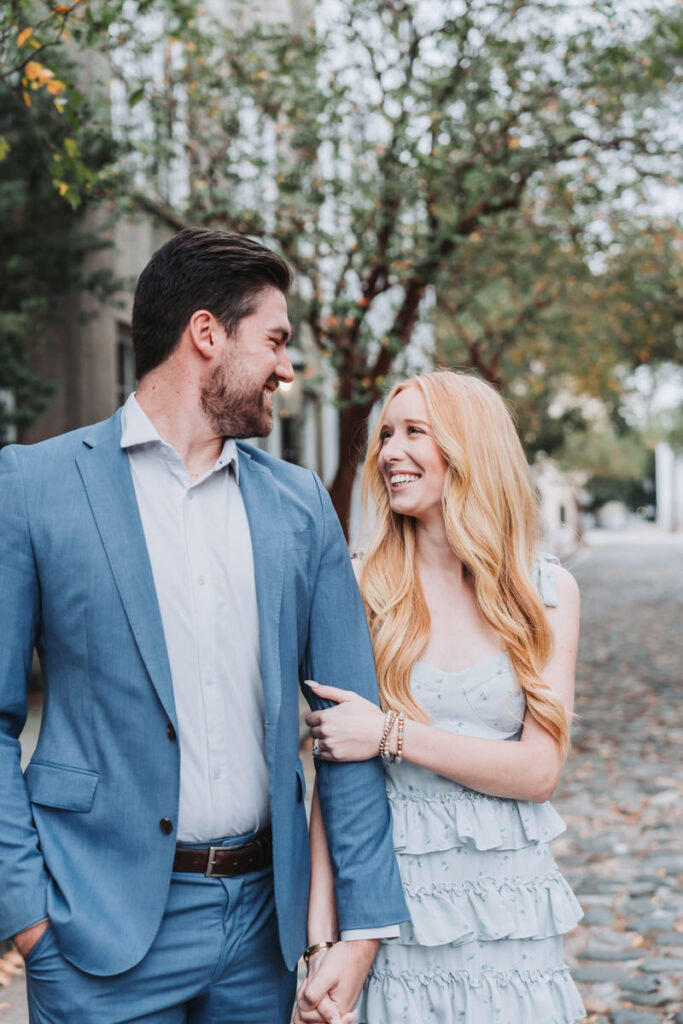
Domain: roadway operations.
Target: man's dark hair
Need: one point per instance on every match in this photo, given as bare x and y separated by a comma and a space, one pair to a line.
199, 269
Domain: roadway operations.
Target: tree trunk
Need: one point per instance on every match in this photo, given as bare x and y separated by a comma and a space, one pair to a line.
353, 418
353, 432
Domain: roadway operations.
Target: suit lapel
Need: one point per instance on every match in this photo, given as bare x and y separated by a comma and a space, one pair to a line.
267, 529
105, 471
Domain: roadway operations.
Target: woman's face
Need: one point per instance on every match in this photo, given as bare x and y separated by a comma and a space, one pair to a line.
410, 461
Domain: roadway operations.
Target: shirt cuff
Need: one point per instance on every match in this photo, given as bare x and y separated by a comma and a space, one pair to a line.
389, 931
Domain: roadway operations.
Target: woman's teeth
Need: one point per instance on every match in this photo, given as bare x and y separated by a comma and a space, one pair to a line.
404, 478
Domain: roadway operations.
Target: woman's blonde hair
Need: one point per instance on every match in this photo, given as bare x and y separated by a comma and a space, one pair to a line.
491, 513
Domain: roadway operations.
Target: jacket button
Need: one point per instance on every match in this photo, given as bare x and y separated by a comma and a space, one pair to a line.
166, 826
170, 731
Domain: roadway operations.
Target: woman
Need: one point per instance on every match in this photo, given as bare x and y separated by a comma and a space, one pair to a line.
475, 642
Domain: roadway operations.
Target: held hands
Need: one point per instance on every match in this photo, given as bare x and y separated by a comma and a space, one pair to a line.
334, 983
351, 731
326, 1012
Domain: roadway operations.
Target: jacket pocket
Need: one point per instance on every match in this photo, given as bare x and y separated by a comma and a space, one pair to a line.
299, 539
56, 785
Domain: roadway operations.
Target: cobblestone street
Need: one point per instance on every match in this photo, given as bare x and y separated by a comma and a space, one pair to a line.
622, 793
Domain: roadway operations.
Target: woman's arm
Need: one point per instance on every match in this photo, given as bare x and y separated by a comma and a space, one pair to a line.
322, 911
528, 770
322, 924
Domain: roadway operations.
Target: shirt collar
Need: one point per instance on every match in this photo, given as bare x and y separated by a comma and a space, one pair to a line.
137, 429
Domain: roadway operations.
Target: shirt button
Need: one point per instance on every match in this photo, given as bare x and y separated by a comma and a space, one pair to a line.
217, 773
166, 826
209, 681
201, 580
170, 731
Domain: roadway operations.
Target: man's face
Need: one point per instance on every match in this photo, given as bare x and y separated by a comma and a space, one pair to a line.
237, 397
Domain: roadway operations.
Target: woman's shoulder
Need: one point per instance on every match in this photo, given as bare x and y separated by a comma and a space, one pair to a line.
556, 585
567, 588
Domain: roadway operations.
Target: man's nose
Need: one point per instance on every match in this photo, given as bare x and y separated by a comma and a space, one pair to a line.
284, 369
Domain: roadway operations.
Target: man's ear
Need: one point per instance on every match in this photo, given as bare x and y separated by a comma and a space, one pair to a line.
204, 331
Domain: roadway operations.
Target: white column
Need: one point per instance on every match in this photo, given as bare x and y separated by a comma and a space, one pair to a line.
664, 485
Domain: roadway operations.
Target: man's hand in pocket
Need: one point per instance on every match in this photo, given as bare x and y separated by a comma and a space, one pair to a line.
26, 940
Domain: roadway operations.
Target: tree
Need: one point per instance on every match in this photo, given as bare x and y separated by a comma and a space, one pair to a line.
617, 465
376, 148
46, 235
39, 82
552, 314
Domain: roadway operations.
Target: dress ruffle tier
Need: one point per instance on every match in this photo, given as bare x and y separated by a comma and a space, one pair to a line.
442, 819
464, 997
489, 910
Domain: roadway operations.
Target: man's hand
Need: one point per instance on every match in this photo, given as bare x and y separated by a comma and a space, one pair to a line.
331, 991
26, 940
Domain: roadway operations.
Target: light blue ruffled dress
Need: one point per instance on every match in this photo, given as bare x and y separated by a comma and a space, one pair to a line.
488, 905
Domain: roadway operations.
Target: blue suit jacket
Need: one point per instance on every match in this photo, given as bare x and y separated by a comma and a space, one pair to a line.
80, 836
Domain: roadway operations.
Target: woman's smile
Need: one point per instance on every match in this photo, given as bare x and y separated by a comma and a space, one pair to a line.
400, 479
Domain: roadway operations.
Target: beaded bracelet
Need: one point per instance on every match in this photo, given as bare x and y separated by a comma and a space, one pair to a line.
398, 756
389, 719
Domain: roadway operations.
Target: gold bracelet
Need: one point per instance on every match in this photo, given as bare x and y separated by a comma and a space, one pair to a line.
315, 948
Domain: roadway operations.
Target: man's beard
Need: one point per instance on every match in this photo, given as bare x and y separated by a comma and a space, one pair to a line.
236, 407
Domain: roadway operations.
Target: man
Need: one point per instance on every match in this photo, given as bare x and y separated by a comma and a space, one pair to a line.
178, 587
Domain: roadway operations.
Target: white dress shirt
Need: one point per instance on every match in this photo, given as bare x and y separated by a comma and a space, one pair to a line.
199, 547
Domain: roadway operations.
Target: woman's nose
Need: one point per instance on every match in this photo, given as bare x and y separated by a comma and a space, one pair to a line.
393, 448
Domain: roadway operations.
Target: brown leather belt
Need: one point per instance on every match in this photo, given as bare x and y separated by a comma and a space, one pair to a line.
225, 861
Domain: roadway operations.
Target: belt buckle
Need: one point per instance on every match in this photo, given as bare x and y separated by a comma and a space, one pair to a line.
213, 850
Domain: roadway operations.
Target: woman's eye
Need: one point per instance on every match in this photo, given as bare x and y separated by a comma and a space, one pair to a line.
385, 435
414, 430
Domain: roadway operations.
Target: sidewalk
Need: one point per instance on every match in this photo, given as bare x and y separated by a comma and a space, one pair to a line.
622, 790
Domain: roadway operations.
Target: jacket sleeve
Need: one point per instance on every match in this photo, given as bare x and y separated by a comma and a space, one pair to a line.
352, 795
23, 879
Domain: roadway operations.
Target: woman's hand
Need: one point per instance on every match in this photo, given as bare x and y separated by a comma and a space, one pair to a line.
349, 732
